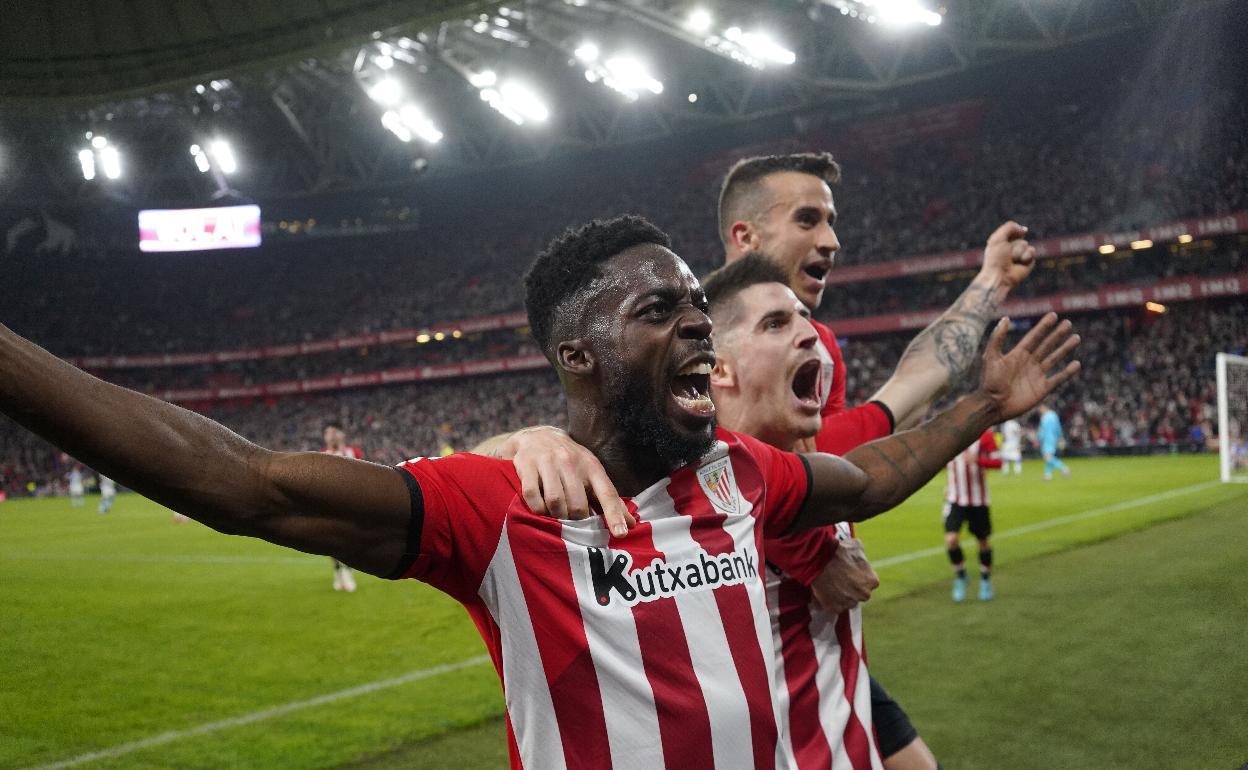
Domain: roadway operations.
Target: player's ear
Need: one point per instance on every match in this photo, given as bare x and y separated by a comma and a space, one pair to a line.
576, 357
723, 374
743, 236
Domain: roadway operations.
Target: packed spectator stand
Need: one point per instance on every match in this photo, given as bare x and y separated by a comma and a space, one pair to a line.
1147, 376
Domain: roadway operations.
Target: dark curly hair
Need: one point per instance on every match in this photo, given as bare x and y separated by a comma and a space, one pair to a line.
737, 196
572, 261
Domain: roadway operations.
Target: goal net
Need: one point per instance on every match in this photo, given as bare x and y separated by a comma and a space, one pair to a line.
1233, 416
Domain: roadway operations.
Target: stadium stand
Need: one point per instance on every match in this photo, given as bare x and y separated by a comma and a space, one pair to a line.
897, 201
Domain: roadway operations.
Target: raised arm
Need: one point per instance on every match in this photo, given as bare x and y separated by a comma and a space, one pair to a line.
356, 511
941, 355
877, 476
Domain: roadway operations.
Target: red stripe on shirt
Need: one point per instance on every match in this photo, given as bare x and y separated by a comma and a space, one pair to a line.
550, 594
735, 609
857, 744
811, 746
686, 734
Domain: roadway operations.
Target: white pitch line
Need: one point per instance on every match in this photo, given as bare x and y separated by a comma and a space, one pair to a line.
261, 716
1057, 522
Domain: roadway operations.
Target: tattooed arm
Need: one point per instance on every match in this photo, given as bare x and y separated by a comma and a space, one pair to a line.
877, 476
941, 355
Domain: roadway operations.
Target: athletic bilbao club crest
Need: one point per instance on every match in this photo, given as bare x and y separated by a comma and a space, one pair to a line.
720, 486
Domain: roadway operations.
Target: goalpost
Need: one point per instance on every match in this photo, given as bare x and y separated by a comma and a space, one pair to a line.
1233, 416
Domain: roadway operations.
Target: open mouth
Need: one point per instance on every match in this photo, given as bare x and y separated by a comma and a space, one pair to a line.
817, 270
806, 383
691, 387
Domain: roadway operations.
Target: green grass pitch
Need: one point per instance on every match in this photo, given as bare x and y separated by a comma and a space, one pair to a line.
1116, 640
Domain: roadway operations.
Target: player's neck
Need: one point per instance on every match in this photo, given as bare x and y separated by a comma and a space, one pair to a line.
735, 415
631, 467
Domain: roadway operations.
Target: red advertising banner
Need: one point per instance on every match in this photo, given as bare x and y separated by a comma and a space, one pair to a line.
932, 263
1104, 298
1049, 247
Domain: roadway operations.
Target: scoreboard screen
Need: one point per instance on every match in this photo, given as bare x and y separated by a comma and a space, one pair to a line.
226, 227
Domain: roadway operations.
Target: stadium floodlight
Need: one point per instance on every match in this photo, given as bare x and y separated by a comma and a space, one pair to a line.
98, 141
384, 62
417, 122
586, 52
86, 159
201, 159
760, 46
699, 21
1185, 238
483, 79
387, 92
1155, 307
1141, 244
630, 77
110, 162
1107, 248
394, 124
894, 13
223, 154
516, 101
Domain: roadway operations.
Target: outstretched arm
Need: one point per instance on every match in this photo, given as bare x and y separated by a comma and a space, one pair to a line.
941, 355
356, 511
877, 476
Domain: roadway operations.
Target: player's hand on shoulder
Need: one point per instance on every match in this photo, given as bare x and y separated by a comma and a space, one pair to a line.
847, 580
1008, 255
1017, 381
561, 478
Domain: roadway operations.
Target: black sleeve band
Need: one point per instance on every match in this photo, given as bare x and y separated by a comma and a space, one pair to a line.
810, 482
415, 526
892, 421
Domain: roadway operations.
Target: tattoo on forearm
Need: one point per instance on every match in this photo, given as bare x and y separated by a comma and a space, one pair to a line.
954, 337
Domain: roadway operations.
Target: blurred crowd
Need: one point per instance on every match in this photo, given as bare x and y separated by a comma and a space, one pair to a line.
1147, 381
1077, 164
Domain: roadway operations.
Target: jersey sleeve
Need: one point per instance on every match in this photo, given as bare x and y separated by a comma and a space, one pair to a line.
803, 555
851, 428
459, 505
988, 456
787, 479
835, 401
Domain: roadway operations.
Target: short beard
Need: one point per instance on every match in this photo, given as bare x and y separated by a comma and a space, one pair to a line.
634, 412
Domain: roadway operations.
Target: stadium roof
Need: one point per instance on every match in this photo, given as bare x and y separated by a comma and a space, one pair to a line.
297, 87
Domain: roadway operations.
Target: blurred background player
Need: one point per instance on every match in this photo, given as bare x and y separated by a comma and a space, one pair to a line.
966, 500
76, 487
336, 444
1012, 447
1051, 440
108, 492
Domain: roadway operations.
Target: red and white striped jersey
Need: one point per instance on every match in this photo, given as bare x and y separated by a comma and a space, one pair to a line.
967, 483
822, 684
648, 651
843, 429
345, 451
